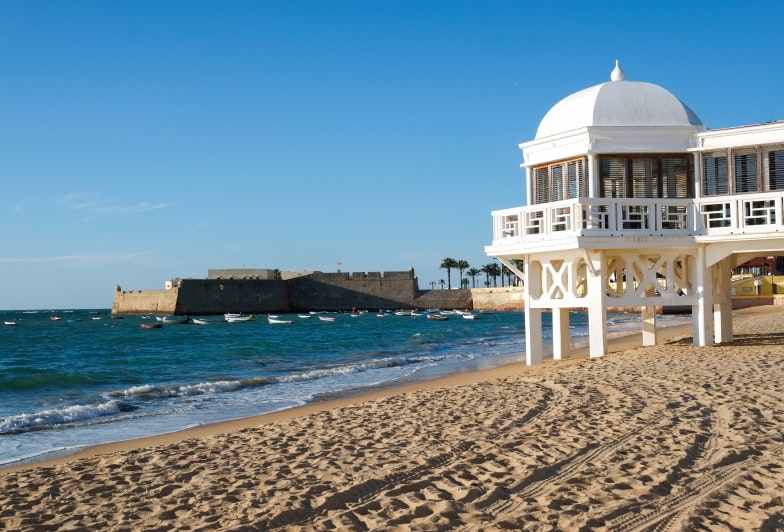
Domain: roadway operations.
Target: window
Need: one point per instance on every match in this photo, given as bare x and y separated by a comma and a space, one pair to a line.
613, 175
559, 181
774, 173
645, 178
675, 177
541, 188
657, 176
577, 180
715, 181
745, 171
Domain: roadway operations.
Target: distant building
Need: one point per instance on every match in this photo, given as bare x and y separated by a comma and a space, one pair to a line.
633, 202
241, 273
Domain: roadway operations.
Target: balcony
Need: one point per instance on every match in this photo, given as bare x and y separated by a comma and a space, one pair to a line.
716, 216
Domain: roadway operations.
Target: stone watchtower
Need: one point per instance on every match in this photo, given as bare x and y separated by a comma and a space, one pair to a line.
634, 203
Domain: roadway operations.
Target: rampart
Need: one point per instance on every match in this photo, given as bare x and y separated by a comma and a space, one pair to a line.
343, 291
145, 301
315, 291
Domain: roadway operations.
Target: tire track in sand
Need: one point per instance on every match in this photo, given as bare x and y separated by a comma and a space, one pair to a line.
353, 498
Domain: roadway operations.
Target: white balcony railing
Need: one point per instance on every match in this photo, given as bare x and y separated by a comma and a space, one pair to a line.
716, 215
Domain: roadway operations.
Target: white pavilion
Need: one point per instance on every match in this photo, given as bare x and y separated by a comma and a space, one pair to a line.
633, 202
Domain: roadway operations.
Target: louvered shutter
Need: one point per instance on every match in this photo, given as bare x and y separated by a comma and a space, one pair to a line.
775, 174
715, 180
745, 169
541, 186
675, 177
613, 176
557, 180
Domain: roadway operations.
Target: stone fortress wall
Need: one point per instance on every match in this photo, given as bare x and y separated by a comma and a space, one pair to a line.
255, 291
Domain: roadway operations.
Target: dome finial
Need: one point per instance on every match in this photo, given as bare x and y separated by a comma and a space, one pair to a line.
617, 74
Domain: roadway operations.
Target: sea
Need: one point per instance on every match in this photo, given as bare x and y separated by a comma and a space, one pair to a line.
70, 379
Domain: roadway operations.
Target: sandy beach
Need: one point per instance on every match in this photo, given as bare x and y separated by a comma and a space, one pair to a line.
667, 437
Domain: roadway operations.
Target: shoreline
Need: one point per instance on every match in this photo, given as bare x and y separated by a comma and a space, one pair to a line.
647, 437
616, 343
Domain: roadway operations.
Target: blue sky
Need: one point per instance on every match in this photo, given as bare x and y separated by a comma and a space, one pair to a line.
146, 140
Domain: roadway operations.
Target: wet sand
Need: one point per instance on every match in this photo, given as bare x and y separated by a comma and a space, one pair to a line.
662, 437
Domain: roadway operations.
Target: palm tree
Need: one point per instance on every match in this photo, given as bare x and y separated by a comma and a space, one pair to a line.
461, 266
448, 264
491, 270
472, 273
519, 264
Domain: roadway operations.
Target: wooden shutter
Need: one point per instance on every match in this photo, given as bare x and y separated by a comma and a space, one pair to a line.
745, 171
775, 170
613, 176
715, 175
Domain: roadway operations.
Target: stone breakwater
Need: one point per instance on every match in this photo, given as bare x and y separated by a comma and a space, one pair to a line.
315, 291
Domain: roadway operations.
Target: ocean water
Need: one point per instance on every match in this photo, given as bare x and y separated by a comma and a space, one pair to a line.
70, 379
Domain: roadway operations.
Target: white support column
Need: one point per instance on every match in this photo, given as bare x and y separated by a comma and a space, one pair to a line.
533, 316
560, 333
697, 175
648, 325
597, 312
702, 312
593, 177
722, 309
533, 335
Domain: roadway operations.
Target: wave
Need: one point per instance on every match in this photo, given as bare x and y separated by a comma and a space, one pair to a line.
147, 399
59, 417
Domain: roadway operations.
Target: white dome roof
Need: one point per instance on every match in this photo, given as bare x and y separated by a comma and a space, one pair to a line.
617, 103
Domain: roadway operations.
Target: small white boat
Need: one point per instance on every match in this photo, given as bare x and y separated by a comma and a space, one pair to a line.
326, 318
470, 316
305, 316
437, 317
10, 323
203, 321
239, 319
278, 320
402, 313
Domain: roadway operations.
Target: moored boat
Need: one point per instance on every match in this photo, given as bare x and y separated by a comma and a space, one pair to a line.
437, 317
326, 318
239, 319
204, 321
175, 320
278, 320
10, 323
157, 325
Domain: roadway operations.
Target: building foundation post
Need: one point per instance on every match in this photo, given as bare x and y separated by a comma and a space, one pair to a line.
533, 316
560, 333
649, 325
597, 312
722, 309
702, 312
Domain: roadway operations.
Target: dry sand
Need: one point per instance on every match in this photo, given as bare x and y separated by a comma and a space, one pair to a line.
666, 437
